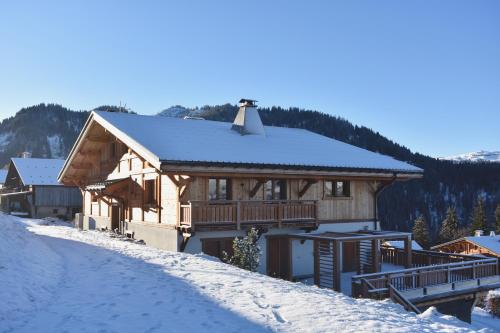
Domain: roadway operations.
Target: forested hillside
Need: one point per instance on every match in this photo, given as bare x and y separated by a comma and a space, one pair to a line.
50, 131
45, 130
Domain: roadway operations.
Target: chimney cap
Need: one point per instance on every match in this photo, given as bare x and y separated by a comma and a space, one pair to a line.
492, 234
478, 233
247, 102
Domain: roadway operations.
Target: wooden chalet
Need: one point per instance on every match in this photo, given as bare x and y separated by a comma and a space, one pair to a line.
479, 244
194, 185
31, 189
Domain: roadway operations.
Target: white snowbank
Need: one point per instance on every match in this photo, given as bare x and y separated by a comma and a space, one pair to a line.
114, 285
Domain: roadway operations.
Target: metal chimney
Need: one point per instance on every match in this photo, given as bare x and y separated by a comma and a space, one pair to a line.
478, 233
247, 120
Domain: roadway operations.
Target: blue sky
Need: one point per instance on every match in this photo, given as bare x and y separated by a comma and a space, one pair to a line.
423, 73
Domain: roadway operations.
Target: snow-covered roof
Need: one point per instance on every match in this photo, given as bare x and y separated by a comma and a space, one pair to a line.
188, 140
3, 175
491, 243
400, 244
38, 171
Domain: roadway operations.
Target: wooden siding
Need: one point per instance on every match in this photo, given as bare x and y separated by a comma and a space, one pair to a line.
57, 196
358, 206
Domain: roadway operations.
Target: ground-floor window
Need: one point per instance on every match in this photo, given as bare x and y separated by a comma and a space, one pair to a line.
216, 247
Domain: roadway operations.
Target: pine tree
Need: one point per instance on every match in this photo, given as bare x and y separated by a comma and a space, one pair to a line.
246, 252
478, 216
497, 219
449, 228
421, 231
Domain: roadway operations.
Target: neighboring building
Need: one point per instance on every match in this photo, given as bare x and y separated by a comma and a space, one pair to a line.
193, 185
31, 189
488, 246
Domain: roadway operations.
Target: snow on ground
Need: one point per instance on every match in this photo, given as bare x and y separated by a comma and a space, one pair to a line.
57, 279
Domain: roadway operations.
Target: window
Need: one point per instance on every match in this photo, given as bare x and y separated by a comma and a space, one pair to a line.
275, 189
93, 197
55, 211
219, 189
337, 188
150, 191
216, 247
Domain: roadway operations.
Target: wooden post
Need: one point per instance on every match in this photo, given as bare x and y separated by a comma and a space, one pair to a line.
337, 269
408, 249
376, 255
316, 262
279, 214
238, 215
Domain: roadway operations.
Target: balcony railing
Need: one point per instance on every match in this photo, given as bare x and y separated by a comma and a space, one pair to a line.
236, 213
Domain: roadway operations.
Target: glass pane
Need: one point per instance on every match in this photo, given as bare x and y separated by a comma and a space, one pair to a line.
281, 193
347, 188
268, 190
328, 188
212, 189
339, 189
222, 195
277, 190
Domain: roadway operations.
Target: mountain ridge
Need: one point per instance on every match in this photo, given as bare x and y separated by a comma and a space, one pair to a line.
477, 156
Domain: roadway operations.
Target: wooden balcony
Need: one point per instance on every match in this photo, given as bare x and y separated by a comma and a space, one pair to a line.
235, 214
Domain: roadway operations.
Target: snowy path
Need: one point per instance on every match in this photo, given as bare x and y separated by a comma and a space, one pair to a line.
108, 285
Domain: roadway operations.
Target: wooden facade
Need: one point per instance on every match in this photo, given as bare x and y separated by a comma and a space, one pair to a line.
183, 200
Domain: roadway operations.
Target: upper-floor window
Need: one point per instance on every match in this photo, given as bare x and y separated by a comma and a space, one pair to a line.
337, 188
219, 189
150, 191
275, 189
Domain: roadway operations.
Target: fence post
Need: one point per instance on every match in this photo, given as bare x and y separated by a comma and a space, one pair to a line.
238, 215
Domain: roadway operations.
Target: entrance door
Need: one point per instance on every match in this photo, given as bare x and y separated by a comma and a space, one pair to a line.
279, 261
350, 256
115, 218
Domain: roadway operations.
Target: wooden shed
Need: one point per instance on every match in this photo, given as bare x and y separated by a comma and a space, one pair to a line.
31, 189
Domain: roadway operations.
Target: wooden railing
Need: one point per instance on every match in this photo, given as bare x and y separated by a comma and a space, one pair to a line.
420, 258
398, 298
218, 213
376, 285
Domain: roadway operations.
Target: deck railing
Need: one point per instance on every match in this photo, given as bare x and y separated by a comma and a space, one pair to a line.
420, 258
228, 212
376, 285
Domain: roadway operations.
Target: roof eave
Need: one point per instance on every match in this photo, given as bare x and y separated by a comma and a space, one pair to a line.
397, 173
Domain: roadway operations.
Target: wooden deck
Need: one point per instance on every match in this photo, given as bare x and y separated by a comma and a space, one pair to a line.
431, 292
235, 214
411, 287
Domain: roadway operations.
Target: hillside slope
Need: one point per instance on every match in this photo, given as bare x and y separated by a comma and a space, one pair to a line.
109, 285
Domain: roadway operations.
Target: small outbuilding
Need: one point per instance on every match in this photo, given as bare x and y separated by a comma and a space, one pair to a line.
31, 189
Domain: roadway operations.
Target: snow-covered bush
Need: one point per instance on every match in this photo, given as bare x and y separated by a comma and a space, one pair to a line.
246, 252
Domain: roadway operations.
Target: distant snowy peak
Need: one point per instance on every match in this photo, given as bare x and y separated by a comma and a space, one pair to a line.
179, 111
479, 156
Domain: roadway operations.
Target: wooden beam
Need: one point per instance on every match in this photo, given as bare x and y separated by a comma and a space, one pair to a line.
98, 139
408, 249
306, 186
337, 268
